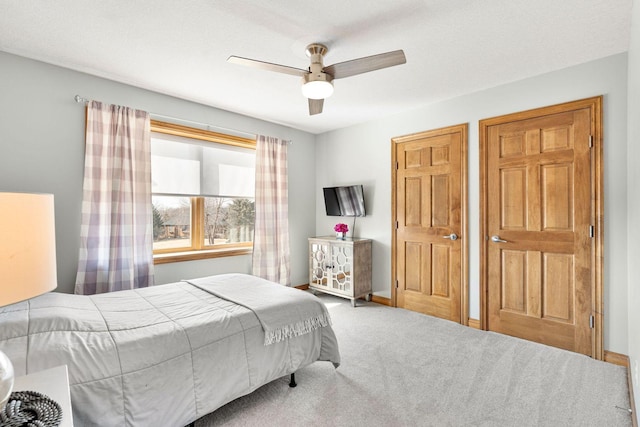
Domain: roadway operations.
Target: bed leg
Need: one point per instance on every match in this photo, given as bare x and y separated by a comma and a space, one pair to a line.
292, 383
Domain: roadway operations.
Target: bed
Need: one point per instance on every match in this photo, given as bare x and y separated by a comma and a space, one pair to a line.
168, 354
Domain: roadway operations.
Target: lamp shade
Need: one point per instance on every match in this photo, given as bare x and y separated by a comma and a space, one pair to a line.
27, 246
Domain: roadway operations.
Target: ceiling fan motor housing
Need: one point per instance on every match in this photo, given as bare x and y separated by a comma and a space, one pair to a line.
317, 77
316, 52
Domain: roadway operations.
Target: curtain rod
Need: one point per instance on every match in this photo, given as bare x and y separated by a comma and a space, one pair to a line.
81, 100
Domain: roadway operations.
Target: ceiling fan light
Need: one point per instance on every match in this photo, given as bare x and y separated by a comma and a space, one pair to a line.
317, 89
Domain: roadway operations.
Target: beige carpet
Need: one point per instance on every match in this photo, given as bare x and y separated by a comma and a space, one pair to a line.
401, 368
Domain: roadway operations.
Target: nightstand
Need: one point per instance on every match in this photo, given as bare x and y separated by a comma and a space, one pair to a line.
54, 383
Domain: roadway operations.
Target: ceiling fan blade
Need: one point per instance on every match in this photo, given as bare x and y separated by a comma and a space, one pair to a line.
315, 106
267, 66
366, 64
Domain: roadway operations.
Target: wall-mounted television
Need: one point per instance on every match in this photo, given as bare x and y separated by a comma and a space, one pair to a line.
344, 201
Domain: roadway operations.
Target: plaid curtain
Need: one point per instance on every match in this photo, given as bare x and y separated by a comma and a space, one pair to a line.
116, 235
271, 240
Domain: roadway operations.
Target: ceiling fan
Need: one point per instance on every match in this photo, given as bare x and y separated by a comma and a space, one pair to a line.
317, 80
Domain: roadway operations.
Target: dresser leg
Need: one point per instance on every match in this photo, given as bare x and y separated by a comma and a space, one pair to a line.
353, 302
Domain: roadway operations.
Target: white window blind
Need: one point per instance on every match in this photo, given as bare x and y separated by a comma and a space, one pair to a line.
182, 167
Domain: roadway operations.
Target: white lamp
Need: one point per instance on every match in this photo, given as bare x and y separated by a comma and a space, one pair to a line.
317, 85
27, 258
317, 90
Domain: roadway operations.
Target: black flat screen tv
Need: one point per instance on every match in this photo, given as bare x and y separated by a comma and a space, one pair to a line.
344, 201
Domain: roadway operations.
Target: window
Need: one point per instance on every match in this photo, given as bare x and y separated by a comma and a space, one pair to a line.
203, 193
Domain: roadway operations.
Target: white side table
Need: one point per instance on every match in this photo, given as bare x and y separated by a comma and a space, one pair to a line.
54, 383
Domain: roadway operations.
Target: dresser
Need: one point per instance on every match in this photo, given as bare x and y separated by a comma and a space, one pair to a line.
340, 267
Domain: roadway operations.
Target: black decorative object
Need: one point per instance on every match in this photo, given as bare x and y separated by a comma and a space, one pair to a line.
30, 409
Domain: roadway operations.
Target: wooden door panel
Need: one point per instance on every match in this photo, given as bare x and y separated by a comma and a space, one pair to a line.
538, 198
440, 280
415, 157
413, 201
440, 205
513, 283
413, 266
556, 197
428, 204
556, 138
512, 145
513, 201
558, 287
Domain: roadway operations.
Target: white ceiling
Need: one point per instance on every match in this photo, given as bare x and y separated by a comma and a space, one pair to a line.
180, 48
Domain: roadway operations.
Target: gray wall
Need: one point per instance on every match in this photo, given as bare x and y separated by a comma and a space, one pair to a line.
42, 150
366, 157
633, 191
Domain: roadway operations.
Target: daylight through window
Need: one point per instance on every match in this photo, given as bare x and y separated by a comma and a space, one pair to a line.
203, 186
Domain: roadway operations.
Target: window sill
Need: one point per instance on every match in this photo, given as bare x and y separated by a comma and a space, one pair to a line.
197, 255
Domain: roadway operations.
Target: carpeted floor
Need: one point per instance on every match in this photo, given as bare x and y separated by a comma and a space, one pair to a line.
401, 368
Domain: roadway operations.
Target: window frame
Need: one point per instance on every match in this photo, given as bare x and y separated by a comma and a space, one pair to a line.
197, 249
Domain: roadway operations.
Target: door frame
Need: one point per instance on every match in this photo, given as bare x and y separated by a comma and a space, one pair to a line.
464, 201
597, 218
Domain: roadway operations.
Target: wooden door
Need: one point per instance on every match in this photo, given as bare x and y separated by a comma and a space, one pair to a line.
429, 229
539, 188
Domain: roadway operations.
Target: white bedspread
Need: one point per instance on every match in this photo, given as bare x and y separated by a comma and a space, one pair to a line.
159, 356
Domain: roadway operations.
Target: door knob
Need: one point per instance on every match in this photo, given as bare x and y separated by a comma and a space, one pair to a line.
452, 236
497, 239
